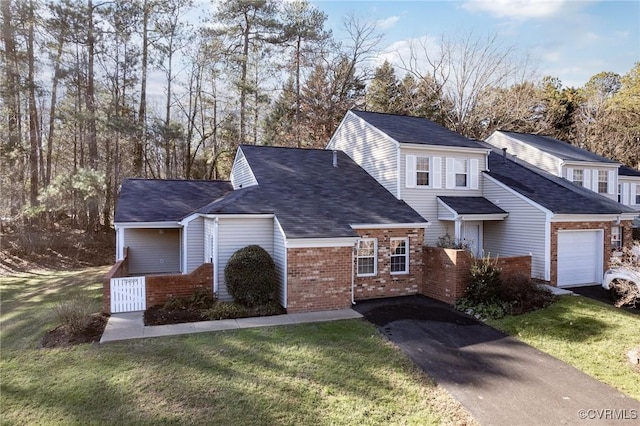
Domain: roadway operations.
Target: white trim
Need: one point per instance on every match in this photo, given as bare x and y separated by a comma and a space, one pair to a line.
286, 264
120, 243
583, 164
547, 247
592, 217
374, 256
406, 255
241, 216
147, 225
189, 219
446, 149
216, 243
184, 248
398, 174
390, 225
320, 242
487, 216
517, 194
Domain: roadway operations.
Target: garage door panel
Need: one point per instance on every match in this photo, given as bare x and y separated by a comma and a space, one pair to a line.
579, 257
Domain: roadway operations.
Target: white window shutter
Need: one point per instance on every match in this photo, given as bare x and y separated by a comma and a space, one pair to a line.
473, 173
451, 173
410, 171
587, 178
626, 192
569, 174
594, 179
436, 172
611, 182
632, 193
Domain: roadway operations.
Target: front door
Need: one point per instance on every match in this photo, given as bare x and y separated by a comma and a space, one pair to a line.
472, 237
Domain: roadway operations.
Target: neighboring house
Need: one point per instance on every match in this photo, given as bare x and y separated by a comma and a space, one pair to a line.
335, 234
487, 200
629, 187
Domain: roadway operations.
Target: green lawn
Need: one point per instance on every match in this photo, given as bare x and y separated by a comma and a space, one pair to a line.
325, 373
590, 335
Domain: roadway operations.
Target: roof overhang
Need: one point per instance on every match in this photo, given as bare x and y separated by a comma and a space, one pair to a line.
453, 215
445, 148
390, 225
170, 224
580, 163
611, 217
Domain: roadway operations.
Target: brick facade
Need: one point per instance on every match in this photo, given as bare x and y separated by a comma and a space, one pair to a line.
384, 284
161, 288
318, 278
604, 226
447, 271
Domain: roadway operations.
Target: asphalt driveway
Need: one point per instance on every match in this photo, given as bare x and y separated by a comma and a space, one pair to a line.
500, 380
596, 292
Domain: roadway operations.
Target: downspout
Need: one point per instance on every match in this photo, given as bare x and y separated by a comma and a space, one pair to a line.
353, 272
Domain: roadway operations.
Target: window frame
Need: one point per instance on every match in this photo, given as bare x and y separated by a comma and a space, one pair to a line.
602, 173
374, 257
616, 243
581, 180
404, 255
456, 162
418, 171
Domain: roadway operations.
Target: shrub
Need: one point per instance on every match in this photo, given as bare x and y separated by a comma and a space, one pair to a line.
522, 295
200, 299
447, 241
227, 310
251, 276
75, 313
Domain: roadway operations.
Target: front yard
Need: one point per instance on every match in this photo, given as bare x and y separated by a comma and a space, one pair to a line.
325, 373
590, 335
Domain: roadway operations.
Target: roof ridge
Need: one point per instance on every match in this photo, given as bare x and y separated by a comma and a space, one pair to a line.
291, 148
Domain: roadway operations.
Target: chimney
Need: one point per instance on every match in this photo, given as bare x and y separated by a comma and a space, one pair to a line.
335, 158
504, 155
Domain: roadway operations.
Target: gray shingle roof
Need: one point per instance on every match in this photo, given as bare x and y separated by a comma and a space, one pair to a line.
158, 200
554, 193
472, 205
558, 148
417, 130
628, 171
310, 197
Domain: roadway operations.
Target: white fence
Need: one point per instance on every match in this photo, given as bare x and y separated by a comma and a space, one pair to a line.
128, 294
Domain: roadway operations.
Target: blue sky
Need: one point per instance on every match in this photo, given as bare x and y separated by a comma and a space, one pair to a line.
569, 39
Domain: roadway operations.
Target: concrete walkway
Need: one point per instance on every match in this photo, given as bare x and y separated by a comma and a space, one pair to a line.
131, 326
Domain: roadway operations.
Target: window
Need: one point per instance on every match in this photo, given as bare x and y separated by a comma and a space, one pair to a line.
399, 255
616, 238
620, 193
637, 194
602, 182
578, 177
461, 173
422, 171
366, 255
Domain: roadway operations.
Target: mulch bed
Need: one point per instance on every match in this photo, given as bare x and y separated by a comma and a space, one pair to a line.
158, 315
61, 337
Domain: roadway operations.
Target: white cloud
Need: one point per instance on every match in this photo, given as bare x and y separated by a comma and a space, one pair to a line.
387, 23
409, 53
516, 9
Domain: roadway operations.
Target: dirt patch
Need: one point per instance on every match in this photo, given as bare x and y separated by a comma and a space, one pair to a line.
60, 337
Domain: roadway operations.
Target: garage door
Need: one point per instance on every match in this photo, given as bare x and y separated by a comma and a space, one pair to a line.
579, 257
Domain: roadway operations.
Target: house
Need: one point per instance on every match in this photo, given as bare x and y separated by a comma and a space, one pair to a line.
496, 204
335, 234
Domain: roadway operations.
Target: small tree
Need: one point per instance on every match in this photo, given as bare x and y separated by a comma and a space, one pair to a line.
251, 276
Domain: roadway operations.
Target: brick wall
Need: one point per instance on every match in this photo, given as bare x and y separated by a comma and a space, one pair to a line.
447, 271
119, 269
384, 284
604, 225
161, 288
318, 278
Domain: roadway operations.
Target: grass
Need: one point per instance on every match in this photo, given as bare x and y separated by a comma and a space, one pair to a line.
587, 334
334, 373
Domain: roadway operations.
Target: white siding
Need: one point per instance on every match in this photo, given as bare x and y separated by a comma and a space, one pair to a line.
280, 259
526, 152
241, 174
520, 233
153, 251
368, 147
195, 244
234, 234
423, 199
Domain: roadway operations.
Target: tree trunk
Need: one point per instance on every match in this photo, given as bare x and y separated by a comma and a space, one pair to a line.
138, 149
91, 112
33, 114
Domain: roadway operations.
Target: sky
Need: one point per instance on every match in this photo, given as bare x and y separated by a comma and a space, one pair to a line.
569, 39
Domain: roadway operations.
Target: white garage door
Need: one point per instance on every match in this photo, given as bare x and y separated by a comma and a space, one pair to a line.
579, 257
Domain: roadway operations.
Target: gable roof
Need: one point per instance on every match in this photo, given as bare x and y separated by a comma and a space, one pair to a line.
471, 205
160, 200
551, 192
628, 171
310, 197
415, 130
558, 148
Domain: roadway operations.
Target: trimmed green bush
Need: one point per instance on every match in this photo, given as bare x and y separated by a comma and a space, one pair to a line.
251, 276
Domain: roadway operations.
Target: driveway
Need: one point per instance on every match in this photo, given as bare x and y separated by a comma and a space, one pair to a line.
596, 292
500, 380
